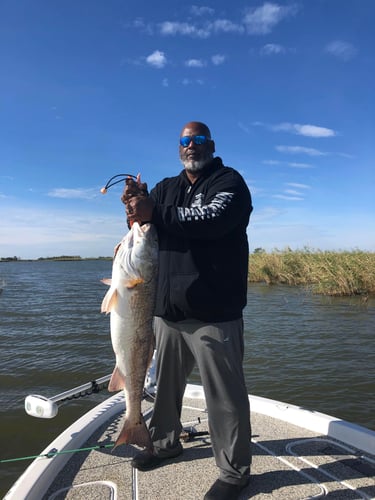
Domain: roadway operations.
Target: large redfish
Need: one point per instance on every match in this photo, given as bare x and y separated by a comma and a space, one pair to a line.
130, 300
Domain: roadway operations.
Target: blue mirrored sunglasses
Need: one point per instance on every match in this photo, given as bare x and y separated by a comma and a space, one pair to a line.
197, 139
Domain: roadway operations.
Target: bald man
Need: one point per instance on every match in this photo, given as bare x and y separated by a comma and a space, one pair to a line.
201, 216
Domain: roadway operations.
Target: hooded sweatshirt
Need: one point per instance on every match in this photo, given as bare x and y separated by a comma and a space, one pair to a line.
203, 247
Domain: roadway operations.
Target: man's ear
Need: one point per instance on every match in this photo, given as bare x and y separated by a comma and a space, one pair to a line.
212, 146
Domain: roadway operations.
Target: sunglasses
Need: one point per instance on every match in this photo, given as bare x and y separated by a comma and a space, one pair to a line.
197, 139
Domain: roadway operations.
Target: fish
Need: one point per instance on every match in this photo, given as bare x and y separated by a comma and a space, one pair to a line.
130, 301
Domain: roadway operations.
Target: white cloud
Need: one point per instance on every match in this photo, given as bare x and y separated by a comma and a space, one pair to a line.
271, 162
314, 131
165, 82
256, 21
201, 11
261, 20
226, 26
173, 28
346, 155
217, 59
288, 164
342, 50
76, 194
272, 48
288, 197
298, 185
157, 59
305, 130
300, 150
177, 28
266, 213
292, 191
142, 26
138, 23
33, 232
243, 127
299, 165
195, 63
188, 81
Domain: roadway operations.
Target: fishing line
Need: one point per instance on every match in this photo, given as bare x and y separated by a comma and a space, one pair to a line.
52, 454
110, 183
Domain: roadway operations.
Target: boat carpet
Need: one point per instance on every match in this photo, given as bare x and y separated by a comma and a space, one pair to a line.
289, 463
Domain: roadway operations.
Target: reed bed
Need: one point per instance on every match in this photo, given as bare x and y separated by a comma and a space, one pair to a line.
324, 272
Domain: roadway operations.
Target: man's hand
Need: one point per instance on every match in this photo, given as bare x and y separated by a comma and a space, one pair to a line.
139, 209
133, 188
138, 205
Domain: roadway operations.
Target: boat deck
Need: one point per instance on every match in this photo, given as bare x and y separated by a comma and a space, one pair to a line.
289, 462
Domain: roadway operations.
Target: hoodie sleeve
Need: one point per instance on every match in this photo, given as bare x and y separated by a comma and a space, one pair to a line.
226, 203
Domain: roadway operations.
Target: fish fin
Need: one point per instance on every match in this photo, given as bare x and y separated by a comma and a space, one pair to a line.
117, 381
135, 433
107, 281
109, 300
132, 283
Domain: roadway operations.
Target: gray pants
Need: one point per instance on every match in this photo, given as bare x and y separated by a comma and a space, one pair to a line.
217, 349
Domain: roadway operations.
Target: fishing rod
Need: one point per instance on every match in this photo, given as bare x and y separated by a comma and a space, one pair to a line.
54, 453
188, 434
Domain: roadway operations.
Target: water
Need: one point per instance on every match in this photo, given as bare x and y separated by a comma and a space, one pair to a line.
313, 351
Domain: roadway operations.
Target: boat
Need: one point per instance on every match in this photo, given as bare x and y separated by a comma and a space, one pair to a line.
297, 454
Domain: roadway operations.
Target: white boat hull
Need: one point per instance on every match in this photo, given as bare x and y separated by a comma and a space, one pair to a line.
37, 479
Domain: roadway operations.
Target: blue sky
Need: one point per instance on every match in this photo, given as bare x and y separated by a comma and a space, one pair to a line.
90, 89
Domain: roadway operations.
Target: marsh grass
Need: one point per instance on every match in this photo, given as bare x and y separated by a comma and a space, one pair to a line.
324, 272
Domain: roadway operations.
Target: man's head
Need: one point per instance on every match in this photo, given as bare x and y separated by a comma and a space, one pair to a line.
196, 147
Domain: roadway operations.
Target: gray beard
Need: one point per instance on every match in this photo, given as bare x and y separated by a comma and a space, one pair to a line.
194, 166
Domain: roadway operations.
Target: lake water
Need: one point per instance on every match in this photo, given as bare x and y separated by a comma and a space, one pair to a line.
305, 349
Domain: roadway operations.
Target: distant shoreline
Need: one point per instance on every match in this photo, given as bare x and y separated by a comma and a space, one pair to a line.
54, 259
339, 273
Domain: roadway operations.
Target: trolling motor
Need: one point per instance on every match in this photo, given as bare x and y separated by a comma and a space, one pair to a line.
42, 407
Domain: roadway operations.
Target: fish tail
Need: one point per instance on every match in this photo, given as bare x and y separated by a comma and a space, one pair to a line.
135, 433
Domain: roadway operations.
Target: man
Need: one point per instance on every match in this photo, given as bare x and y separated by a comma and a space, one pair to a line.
201, 217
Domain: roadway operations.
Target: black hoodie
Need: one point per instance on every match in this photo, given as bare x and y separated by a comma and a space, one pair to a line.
203, 259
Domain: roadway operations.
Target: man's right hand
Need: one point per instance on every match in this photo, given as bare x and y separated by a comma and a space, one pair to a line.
133, 188
138, 205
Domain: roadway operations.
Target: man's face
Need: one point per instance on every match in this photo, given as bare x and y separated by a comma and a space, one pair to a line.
195, 156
